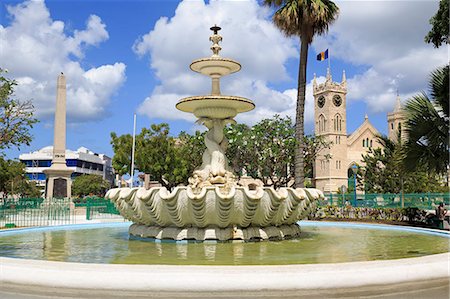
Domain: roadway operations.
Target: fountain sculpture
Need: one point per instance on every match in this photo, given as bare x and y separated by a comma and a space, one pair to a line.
214, 206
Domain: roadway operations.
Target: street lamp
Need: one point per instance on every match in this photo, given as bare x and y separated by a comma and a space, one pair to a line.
355, 170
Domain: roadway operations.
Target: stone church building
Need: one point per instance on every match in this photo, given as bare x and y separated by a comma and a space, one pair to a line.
333, 166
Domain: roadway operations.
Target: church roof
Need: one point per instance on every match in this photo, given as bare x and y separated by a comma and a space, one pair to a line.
366, 125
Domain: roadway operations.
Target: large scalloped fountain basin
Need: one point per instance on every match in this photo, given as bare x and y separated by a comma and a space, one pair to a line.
214, 213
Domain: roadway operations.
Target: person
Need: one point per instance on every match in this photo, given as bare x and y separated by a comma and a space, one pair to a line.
440, 214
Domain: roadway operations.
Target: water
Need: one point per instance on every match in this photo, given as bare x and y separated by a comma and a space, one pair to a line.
318, 243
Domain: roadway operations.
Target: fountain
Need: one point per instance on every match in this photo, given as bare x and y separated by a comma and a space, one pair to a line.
329, 260
214, 206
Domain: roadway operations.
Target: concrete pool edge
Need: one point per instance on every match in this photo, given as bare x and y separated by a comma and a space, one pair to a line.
166, 278
22, 276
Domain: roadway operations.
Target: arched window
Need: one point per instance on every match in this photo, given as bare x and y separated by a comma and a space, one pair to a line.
392, 126
322, 123
338, 123
364, 142
370, 143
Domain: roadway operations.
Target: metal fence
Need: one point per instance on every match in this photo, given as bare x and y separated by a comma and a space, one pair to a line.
34, 212
99, 208
26, 212
426, 201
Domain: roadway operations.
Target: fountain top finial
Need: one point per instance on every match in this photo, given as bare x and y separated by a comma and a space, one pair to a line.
215, 28
215, 38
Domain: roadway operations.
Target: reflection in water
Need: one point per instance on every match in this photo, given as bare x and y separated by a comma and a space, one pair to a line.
316, 245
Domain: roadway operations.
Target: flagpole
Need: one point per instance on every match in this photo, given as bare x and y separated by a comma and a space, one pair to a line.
329, 59
132, 151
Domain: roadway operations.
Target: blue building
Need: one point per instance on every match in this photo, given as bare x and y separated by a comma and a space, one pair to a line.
81, 161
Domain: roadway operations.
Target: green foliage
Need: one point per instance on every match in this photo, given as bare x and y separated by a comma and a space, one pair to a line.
158, 155
384, 171
13, 180
191, 149
122, 147
89, 184
314, 145
428, 126
439, 31
16, 118
303, 18
266, 150
411, 215
168, 160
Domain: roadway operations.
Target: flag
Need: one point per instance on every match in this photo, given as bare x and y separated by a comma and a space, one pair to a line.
322, 55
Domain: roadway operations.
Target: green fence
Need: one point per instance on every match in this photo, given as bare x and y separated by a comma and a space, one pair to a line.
98, 208
426, 201
34, 212
25, 212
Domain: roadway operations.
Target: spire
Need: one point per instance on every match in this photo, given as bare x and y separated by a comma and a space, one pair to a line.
398, 104
314, 81
344, 79
366, 117
329, 79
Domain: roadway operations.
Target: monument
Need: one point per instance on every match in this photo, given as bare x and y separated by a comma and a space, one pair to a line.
58, 182
213, 206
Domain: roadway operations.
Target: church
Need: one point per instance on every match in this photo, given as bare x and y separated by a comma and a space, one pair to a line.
333, 166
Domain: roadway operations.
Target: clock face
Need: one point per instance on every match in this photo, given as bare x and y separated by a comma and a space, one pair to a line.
321, 101
337, 100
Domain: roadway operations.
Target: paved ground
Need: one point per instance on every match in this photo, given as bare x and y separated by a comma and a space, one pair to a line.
433, 289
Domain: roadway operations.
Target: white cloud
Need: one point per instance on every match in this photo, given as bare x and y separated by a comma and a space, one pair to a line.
35, 49
386, 38
248, 37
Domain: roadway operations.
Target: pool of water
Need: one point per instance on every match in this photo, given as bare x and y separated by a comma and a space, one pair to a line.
319, 243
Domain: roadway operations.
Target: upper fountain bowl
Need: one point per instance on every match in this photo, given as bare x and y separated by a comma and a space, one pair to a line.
215, 106
215, 66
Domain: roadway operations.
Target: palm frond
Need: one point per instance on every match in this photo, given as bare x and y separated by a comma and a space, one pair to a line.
428, 141
304, 18
439, 86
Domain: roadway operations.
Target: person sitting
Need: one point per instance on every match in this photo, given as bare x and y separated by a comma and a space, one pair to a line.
440, 214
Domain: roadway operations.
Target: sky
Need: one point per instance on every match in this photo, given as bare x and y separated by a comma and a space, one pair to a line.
126, 57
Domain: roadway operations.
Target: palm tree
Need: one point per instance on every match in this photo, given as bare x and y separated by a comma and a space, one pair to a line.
305, 19
428, 126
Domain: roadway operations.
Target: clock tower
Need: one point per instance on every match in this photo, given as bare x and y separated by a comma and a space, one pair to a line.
330, 169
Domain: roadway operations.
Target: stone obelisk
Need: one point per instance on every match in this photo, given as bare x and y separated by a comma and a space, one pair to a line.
59, 183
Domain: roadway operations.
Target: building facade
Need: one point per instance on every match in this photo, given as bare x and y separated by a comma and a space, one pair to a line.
81, 161
333, 166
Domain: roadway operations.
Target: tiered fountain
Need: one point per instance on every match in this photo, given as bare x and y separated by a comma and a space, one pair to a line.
213, 206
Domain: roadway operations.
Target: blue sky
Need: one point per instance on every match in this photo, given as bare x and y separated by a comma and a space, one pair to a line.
122, 57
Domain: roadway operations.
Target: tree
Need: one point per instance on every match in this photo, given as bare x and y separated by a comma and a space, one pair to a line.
191, 148
439, 31
305, 19
158, 155
241, 154
122, 147
384, 171
16, 118
427, 126
90, 184
13, 180
313, 147
265, 151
